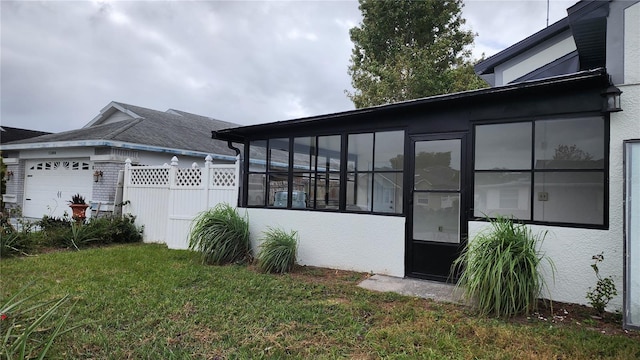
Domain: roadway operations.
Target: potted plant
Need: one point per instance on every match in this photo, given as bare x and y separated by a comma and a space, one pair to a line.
78, 207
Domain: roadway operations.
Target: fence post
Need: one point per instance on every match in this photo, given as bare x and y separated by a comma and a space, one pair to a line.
173, 169
125, 188
206, 180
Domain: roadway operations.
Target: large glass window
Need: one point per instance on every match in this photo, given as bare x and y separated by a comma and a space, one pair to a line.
309, 172
374, 172
544, 170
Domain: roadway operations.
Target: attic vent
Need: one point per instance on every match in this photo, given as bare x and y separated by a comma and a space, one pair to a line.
125, 153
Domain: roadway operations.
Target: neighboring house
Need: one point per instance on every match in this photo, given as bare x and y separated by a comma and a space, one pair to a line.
399, 189
48, 169
8, 134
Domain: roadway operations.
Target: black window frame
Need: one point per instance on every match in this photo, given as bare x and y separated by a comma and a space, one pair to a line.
342, 173
533, 171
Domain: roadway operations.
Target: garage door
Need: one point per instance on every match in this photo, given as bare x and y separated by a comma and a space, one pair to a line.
49, 184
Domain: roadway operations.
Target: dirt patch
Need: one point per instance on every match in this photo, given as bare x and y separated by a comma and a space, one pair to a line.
566, 314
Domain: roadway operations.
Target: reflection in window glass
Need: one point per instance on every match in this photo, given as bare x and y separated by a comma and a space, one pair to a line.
389, 150
279, 154
570, 144
443, 212
329, 153
306, 183
387, 192
503, 146
437, 165
328, 191
570, 197
278, 184
304, 154
257, 189
359, 192
258, 155
491, 189
360, 155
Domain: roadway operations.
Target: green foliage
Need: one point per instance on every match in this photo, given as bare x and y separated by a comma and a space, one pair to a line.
77, 199
406, 50
278, 251
144, 301
53, 223
14, 242
66, 233
220, 235
28, 329
605, 288
500, 269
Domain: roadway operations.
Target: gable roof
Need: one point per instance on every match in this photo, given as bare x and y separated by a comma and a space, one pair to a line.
587, 23
8, 134
144, 129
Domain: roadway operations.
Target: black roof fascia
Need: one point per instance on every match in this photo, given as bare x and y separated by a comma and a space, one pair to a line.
487, 66
588, 22
239, 134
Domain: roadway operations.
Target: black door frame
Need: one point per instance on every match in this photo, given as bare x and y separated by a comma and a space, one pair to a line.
465, 208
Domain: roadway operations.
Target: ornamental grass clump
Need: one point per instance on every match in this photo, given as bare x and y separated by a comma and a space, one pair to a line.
500, 269
221, 236
278, 251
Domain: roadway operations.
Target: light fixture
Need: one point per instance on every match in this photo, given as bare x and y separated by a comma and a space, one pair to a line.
8, 175
97, 175
611, 97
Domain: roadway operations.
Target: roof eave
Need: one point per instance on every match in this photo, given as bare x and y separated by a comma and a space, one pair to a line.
235, 134
487, 66
115, 144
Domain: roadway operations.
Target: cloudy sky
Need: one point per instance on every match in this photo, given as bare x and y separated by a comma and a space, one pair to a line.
241, 61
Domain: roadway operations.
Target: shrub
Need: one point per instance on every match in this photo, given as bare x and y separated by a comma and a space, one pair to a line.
278, 251
14, 241
28, 330
500, 269
605, 288
220, 235
49, 223
116, 229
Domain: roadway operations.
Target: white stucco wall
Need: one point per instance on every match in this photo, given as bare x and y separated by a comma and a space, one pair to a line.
535, 58
355, 242
632, 44
571, 249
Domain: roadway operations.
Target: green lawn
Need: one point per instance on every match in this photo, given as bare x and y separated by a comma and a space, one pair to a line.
144, 301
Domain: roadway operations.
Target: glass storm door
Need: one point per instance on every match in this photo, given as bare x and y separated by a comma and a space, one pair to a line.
436, 225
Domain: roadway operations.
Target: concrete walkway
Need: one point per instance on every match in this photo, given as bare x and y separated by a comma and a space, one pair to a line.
425, 289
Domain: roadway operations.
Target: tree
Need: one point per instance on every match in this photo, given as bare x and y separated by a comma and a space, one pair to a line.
405, 50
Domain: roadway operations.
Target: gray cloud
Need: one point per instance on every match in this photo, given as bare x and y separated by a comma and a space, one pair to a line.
245, 62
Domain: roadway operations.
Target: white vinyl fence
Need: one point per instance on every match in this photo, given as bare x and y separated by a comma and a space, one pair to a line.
166, 198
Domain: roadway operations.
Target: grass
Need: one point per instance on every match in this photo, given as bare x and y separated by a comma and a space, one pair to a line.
145, 301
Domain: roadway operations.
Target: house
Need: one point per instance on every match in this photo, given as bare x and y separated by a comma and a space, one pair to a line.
8, 134
48, 169
399, 189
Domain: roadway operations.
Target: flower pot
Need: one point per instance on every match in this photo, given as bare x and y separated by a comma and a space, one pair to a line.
79, 210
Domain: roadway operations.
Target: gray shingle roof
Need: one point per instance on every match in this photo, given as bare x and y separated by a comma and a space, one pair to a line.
175, 129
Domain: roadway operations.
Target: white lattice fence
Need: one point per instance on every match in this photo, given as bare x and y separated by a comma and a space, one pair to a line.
165, 199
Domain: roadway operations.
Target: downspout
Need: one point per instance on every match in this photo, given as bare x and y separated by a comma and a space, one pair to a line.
214, 135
